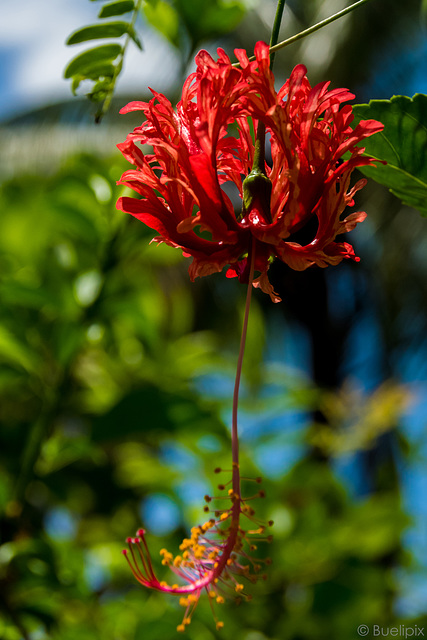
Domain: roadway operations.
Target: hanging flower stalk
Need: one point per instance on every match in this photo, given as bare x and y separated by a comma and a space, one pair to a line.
197, 149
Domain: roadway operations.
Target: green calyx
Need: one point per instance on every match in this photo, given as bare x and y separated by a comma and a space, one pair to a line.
257, 187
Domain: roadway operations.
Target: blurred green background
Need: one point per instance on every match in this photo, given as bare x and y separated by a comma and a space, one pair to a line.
116, 373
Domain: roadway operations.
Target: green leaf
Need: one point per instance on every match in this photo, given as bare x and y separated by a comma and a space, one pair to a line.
84, 62
116, 8
164, 18
207, 20
96, 31
402, 144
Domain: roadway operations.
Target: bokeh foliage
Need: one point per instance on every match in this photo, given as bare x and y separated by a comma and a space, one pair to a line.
101, 351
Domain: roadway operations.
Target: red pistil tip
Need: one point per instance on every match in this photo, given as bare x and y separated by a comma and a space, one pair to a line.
124, 551
141, 532
129, 540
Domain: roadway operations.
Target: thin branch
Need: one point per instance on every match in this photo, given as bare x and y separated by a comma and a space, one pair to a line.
310, 30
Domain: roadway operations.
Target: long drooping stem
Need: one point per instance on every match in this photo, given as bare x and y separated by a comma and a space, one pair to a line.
234, 429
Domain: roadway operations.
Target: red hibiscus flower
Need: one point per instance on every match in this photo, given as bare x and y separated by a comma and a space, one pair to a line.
209, 142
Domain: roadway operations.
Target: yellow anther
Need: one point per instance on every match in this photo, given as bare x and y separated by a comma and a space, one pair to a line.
183, 602
213, 555
192, 598
239, 587
185, 544
230, 492
175, 586
211, 594
224, 516
229, 562
180, 628
186, 555
220, 600
186, 621
219, 625
167, 558
177, 561
163, 584
163, 551
215, 565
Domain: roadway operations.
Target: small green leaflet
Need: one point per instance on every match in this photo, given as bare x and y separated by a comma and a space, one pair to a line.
84, 62
96, 31
116, 8
402, 144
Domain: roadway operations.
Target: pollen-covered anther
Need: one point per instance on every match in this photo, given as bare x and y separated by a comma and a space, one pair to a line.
224, 516
220, 600
167, 556
177, 561
198, 552
239, 588
219, 625
181, 628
